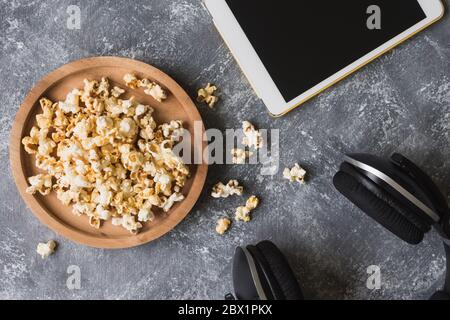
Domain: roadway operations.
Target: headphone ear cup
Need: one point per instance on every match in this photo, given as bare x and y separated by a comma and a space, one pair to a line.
244, 287
440, 295
377, 206
281, 270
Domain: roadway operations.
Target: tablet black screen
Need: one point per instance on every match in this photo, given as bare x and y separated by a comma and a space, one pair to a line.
303, 42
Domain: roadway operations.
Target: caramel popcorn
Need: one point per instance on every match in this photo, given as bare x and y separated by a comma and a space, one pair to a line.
105, 156
223, 225
207, 95
297, 173
221, 190
46, 249
252, 137
239, 156
150, 88
243, 212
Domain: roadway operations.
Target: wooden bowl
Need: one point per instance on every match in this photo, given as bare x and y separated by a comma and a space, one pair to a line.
55, 86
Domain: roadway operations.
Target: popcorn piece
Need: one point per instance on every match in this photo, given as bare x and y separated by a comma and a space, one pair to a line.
94, 222
145, 215
150, 88
141, 110
105, 156
207, 95
223, 225
173, 130
175, 197
156, 91
31, 142
129, 223
224, 191
127, 127
253, 137
46, 249
102, 213
72, 102
117, 92
239, 156
252, 203
243, 212
131, 81
41, 183
297, 173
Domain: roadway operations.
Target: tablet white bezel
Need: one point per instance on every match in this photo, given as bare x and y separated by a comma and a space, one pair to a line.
260, 78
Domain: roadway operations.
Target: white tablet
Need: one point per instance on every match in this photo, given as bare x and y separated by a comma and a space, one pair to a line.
292, 50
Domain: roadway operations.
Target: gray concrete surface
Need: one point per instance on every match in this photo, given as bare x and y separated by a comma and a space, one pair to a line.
399, 103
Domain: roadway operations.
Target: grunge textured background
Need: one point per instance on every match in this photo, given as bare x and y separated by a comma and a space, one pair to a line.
399, 103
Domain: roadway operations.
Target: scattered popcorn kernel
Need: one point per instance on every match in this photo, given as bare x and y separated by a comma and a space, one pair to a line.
46, 249
221, 190
105, 156
242, 214
223, 225
252, 137
297, 173
207, 95
252, 203
239, 156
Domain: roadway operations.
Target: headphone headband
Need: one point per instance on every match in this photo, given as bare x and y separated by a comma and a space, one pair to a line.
255, 275
393, 184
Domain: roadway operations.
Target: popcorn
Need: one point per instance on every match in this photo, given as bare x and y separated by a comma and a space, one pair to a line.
127, 127
155, 90
173, 130
223, 225
72, 102
145, 215
94, 222
105, 156
174, 197
117, 92
243, 212
129, 223
224, 191
297, 173
253, 137
131, 81
239, 155
252, 203
41, 183
207, 95
150, 88
46, 249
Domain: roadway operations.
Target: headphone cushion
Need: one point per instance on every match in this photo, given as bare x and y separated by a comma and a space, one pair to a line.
412, 216
440, 295
378, 207
281, 270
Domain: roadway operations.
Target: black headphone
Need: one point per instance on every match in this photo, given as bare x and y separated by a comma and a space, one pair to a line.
262, 272
399, 196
